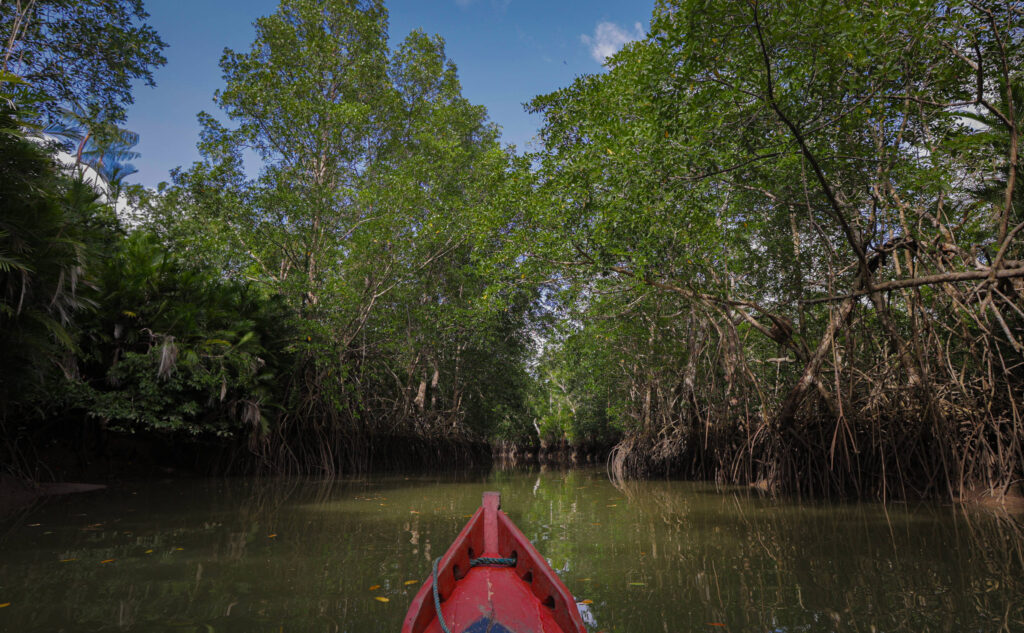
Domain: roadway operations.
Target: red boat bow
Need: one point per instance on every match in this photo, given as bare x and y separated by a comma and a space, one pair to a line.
526, 597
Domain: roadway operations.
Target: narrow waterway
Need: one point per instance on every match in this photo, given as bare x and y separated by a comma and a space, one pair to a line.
672, 557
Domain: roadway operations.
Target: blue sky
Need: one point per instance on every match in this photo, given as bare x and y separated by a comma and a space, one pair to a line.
507, 51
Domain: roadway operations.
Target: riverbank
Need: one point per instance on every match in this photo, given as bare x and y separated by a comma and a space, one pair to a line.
17, 493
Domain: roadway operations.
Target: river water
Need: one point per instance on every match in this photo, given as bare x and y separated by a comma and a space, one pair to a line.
672, 557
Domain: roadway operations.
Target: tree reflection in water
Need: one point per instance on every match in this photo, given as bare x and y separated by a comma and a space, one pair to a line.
650, 556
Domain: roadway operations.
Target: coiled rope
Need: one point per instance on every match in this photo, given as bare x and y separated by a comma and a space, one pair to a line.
483, 561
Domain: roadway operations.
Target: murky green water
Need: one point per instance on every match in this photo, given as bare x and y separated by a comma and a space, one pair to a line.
214, 555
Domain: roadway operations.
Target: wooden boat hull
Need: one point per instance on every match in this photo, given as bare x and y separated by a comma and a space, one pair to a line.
525, 598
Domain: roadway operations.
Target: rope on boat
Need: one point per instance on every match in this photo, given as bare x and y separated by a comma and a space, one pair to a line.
483, 561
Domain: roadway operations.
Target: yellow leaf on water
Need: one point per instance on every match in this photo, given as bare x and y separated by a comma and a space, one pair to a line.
149, 551
109, 560
68, 560
637, 584
381, 599
375, 588
179, 548
271, 535
411, 582
4, 604
588, 601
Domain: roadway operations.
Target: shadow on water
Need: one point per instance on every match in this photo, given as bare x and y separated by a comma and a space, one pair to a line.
348, 555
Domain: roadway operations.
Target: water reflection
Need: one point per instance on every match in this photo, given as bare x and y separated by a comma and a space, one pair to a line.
648, 556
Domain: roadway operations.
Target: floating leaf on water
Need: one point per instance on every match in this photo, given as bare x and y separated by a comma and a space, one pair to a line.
611, 505
411, 582
68, 560
637, 584
374, 587
381, 599
149, 551
109, 560
587, 601
34, 524
178, 549
584, 580
271, 535
413, 512
4, 604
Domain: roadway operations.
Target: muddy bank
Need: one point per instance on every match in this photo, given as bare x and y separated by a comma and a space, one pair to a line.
16, 493
1012, 500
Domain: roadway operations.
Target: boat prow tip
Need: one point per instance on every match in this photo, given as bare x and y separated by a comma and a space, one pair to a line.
492, 497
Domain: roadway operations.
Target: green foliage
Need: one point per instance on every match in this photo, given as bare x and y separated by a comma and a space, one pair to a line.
51, 228
697, 206
73, 50
765, 233
114, 326
377, 206
342, 284
175, 348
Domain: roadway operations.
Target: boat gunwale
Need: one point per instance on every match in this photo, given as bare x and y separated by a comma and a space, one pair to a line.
531, 568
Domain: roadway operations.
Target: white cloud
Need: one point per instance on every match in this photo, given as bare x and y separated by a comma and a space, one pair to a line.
498, 5
608, 38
